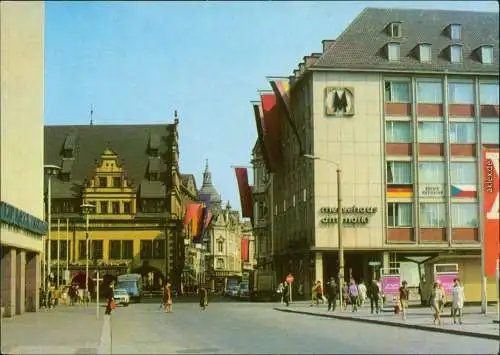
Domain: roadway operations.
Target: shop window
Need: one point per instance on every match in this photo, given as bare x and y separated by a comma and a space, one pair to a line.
399, 215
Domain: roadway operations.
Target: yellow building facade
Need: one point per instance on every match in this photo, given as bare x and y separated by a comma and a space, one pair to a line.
130, 175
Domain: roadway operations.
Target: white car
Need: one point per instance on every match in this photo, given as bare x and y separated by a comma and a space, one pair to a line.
121, 296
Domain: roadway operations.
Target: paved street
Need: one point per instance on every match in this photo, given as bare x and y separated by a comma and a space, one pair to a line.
238, 328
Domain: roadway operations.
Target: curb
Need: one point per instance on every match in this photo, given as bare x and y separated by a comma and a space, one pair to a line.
394, 324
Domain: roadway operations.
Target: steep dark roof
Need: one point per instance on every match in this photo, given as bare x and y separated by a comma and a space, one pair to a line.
360, 45
130, 142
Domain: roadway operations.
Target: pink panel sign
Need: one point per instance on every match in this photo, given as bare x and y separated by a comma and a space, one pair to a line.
447, 281
391, 284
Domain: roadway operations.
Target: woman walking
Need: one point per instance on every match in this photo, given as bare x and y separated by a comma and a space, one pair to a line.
203, 298
436, 300
458, 299
167, 297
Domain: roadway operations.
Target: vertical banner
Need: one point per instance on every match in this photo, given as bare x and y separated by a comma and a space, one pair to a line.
491, 209
245, 192
244, 250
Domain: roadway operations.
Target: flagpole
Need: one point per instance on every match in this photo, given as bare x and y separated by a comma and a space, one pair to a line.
67, 251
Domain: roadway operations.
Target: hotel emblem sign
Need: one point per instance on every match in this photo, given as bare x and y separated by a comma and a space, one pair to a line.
339, 101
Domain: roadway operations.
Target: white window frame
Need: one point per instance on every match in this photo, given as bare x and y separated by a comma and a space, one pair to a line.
396, 205
422, 124
454, 127
457, 170
456, 32
390, 54
436, 100
393, 83
453, 58
495, 127
453, 86
390, 125
425, 57
438, 214
488, 100
473, 222
487, 59
396, 27
390, 165
429, 163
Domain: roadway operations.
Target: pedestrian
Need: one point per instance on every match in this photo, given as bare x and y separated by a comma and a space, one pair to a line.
110, 305
203, 297
167, 297
435, 300
286, 293
362, 293
331, 294
373, 292
353, 295
458, 299
404, 295
443, 301
319, 293
345, 296
280, 292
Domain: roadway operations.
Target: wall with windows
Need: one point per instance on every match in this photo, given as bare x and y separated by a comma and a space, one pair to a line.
434, 131
355, 144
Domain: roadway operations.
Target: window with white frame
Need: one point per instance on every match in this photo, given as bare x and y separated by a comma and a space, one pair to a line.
398, 132
425, 53
396, 29
462, 133
399, 172
455, 32
397, 91
431, 172
393, 52
430, 132
463, 173
456, 54
487, 54
429, 92
432, 215
464, 215
399, 214
490, 133
461, 93
488, 93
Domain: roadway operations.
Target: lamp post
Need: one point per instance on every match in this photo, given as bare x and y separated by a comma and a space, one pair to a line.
87, 209
50, 171
339, 222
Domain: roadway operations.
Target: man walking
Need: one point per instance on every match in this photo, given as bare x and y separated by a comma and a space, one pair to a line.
374, 294
404, 295
331, 293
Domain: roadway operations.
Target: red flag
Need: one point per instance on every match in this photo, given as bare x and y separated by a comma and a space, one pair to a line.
244, 249
491, 209
245, 192
271, 127
191, 209
208, 219
197, 221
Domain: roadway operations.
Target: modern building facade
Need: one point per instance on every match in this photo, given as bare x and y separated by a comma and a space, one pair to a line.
403, 102
130, 173
21, 181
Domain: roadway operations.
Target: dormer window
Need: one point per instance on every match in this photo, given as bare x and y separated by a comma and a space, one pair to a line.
456, 54
395, 29
455, 32
425, 53
486, 53
393, 52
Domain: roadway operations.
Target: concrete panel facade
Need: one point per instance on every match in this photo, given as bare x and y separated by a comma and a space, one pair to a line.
355, 143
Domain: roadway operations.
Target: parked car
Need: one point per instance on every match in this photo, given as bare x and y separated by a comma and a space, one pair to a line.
233, 291
244, 292
121, 296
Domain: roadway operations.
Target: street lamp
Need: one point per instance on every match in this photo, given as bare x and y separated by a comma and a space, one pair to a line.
50, 171
339, 222
87, 209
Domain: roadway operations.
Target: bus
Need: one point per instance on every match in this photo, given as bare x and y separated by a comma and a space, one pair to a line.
132, 284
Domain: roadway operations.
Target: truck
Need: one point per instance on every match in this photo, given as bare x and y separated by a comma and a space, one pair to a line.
132, 284
262, 285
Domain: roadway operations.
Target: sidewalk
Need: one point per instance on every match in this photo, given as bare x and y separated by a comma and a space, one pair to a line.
474, 323
65, 330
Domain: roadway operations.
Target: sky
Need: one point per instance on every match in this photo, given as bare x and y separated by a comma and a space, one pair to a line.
137, 62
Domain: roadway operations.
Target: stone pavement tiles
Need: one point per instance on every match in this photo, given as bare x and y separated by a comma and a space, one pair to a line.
474, 323
65, 330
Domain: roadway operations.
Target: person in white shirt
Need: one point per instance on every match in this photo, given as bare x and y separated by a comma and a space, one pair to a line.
362, 293
458, 298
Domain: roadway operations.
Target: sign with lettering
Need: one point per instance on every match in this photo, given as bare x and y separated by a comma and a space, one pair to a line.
350, 215
339, 101
431, 190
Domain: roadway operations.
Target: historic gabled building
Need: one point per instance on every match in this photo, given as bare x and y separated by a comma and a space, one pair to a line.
130, 173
